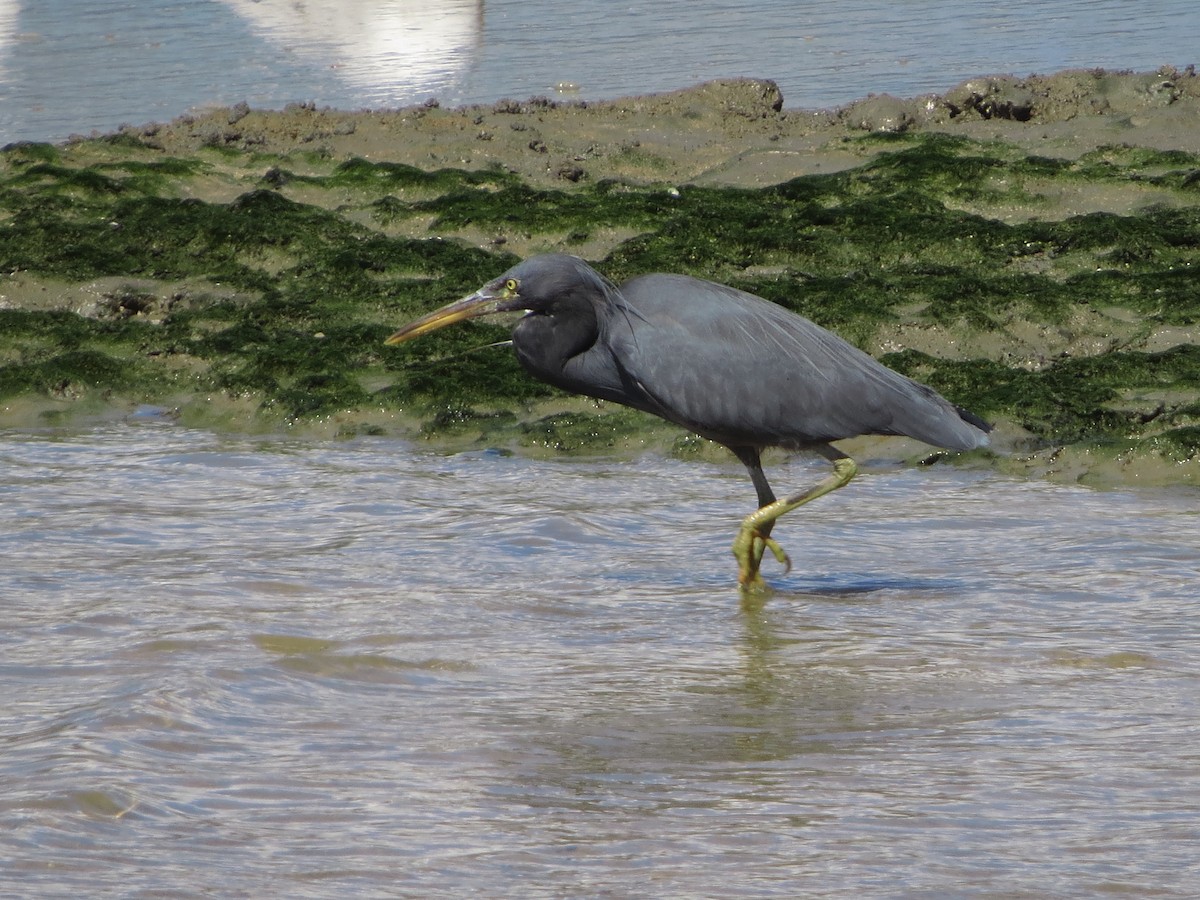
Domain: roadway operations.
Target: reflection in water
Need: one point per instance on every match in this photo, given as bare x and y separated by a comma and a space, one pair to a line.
385, 48
8, 34
70, 66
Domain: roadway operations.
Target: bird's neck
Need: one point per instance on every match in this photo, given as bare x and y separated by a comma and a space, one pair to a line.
547, 341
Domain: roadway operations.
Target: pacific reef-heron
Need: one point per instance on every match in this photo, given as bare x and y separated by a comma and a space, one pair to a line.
731, 367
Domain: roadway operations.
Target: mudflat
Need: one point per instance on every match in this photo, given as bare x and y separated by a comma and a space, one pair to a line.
1026, 246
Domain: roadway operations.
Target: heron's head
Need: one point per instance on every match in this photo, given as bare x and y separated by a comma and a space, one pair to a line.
538, 284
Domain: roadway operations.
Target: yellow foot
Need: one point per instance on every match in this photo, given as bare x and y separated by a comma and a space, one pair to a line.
748, 548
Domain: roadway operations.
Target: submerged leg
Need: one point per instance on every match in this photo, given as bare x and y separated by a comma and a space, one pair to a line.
754, 537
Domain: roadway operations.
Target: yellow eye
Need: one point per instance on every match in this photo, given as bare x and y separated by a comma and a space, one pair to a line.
511, 285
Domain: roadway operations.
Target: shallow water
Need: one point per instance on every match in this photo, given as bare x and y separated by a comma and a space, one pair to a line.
72, 66
248, 667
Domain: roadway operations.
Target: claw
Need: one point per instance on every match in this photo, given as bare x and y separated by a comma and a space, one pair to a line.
748, 549
778, 552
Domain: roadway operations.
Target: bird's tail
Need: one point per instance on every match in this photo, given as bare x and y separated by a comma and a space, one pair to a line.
971, 419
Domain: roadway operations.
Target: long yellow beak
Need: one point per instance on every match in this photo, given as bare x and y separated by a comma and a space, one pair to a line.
481, 303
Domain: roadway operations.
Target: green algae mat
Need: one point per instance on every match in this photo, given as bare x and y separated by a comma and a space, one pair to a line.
242, 289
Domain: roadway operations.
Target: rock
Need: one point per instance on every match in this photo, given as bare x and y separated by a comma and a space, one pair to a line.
881, 112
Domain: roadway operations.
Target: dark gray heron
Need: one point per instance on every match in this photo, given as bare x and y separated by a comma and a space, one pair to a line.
727, 365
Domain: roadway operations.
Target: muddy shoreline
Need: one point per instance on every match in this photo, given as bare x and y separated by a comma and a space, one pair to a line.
1026, 245
737, 133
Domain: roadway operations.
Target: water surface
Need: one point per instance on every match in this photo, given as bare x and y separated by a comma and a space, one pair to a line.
244, 667
72, 66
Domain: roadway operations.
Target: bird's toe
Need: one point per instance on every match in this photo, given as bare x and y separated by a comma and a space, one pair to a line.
748, 548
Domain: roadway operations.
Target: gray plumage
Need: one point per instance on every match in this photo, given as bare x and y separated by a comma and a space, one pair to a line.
725, 364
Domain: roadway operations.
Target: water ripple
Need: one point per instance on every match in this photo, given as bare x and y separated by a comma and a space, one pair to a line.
244, 666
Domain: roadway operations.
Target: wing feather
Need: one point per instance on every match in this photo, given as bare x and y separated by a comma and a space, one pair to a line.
741, 370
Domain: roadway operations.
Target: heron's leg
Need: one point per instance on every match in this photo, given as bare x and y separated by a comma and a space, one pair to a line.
759, 540
751, 458
754, 537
